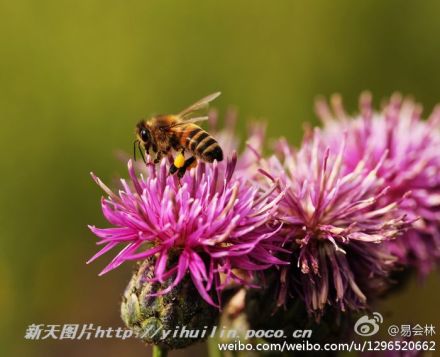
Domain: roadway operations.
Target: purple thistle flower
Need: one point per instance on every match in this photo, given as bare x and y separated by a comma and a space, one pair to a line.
334, 224
411, 148
209, 226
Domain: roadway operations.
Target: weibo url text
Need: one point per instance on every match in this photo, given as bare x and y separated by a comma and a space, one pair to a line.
340, 347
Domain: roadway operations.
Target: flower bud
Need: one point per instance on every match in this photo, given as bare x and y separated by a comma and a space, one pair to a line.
181, 311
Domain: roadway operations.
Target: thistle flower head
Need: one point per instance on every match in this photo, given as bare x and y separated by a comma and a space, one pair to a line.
409, 148
335, 225
209, 225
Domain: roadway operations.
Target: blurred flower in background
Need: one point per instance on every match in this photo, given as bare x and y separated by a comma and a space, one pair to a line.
409, 148
336, 225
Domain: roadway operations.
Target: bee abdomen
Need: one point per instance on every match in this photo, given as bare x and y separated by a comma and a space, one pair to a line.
215, 152
204, 145
209, 149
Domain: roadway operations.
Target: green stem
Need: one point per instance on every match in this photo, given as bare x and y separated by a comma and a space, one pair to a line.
159, 351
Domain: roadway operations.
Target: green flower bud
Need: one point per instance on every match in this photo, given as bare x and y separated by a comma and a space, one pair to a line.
181, 307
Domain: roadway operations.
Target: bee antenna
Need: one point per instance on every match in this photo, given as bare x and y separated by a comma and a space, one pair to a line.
140, 151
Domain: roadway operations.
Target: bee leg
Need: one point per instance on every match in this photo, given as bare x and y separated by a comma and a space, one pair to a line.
158, 157
181, 172
173, 169
177, 163
189, 163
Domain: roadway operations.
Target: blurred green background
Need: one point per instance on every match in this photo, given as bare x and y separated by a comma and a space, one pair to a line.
75, 76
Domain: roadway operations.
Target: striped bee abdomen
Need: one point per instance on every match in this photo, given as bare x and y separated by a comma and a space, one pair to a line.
201, 144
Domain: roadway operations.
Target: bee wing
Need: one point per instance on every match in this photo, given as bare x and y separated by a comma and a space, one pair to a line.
191, 120
199, 105
186, 121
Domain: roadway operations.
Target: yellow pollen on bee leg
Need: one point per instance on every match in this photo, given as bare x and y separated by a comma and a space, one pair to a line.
179, 161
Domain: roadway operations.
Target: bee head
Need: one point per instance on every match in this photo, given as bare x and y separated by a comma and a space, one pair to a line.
143, 132
143, 138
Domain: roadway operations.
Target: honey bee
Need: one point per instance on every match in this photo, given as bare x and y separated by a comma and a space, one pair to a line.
163, 133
